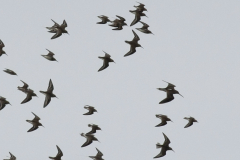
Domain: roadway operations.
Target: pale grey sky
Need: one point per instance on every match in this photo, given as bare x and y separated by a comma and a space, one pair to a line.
195, 46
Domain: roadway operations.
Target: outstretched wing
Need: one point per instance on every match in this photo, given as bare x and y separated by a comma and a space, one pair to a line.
60, 153
161, 154
28, 98
34, 127
88, 142
132, 50
64, 24
50, 86
58, 33
137, 18
105, 65
163, 123
145, 25
190, 122
167, 99
167, 141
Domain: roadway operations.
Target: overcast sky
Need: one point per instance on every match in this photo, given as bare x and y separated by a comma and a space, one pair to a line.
195, 46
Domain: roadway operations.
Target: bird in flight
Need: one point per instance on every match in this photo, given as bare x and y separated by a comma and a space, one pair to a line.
90, 109
134, 43
165, 147
12, 157
48, 94
98, 155
164, 119
190, 121
170, 91
106, 59
89, 139
35, 122
58, 29
58, 156
49, 56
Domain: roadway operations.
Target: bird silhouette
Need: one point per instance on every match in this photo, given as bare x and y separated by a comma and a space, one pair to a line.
3, 103
119, 23
90, 109
170, 91
165, 147
59, 154
35, 122
164, 119
94, 128
9, 71
190, 121
98, 156
12, 157
58, 29
134, 43
1, 48
106, 59
49, 56
144, 28
48, 94
104, 19
138, 15
89, 139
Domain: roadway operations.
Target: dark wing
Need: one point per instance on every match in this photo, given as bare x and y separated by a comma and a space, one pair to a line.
107, 55
58, 33
12, 156
25, 85
50, 86
99, 154
163, 123
88, 142
167, 141
190, 122
90, 112
1, 44
28, 98
36, 118
170, 85
55, 24
47, 100
145, 25
121, 18
105, 65
64, 24
168, 99
50, 53
136, 38
136, 19
2, 105
161, 154
33, 128
59, 154
132, 50
94, 129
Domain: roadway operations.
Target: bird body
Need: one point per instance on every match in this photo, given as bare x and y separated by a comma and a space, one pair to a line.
104, 19
9, 71
90, 109
35, 122
106, 59
24, 88
164, 147
164, 119
58, 29
58, 156
30, 93
89, 139
134, 43
144, 28
49, 56
119, 23
170, 91
190, 121
48, 94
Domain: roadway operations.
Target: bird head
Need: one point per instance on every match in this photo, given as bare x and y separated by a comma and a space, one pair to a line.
89, 125
82, 134
178, 93
3, 52
194, 120
143, 14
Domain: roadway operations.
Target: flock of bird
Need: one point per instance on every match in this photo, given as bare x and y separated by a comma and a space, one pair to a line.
58, 30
